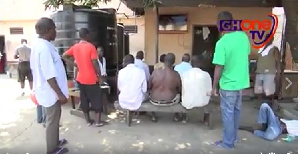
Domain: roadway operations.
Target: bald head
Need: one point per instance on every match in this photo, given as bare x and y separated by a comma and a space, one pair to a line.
169, 59
186, 58
140, 55
45, 28
197, 61
43, 25
128, 59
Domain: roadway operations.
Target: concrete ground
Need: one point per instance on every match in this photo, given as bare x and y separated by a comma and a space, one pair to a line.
20, 133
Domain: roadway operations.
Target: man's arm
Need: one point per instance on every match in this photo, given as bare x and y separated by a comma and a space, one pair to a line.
94, 59
179, 85
151, 79
96, 67
49, 71
67, 57
217, 76
16, 56
219, 61
144, 82
147, 72
119, 83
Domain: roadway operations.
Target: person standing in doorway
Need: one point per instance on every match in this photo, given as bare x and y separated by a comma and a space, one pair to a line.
231, 76
267, 71
23, 54
102, 62
49, 82
88, 77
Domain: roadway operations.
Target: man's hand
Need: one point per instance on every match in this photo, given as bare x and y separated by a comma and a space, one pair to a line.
214, 92
62, 99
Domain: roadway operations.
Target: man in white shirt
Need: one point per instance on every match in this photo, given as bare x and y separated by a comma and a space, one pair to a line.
142, 65
132, 85
49, 82
196, 84
184, 65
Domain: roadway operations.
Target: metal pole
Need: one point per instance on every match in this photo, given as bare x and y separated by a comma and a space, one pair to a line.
157, 35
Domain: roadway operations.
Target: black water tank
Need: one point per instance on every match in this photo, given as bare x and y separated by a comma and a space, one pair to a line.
102, 26
120, 36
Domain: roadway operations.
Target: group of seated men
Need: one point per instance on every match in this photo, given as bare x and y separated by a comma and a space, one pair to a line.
186, 83
167, 85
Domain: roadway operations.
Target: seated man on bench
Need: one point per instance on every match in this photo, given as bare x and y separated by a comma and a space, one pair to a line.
196, 84
132, 85
165, 86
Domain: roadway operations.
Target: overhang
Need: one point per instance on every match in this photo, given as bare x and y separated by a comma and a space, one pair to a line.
135, 4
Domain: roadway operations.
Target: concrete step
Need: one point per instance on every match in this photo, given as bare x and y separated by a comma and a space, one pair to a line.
289, 110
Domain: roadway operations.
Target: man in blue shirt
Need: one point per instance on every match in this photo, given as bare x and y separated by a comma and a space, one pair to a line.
184, 65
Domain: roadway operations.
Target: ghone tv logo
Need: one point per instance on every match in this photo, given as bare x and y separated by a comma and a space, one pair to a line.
261, 32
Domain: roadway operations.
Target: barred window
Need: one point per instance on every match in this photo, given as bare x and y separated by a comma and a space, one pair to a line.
130, 29
16, 30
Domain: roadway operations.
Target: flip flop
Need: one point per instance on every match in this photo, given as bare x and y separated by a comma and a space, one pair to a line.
104, 122
99, 124
60, 150
62, 142
91, 122
219, 144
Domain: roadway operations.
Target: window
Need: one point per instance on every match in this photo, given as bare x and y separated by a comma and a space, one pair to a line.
130, 29
16, 30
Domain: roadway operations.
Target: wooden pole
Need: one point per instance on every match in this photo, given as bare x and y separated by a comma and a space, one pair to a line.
157, 35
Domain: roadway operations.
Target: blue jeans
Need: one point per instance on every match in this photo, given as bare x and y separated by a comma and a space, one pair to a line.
231, 102
267, 116
41, 115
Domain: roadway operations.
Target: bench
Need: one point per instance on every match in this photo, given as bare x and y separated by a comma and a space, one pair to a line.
149, 107
74, 92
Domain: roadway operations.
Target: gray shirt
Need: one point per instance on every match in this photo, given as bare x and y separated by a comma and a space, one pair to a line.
23, 52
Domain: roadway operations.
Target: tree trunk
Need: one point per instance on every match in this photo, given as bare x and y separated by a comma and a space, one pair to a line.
291, 32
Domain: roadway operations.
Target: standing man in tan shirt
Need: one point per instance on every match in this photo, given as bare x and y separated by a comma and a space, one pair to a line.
267, 71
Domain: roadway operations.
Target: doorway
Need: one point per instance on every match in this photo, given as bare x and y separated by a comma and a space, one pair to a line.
2, 55
205, 38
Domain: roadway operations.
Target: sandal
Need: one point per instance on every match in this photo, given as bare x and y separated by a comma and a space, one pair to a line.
220, 144
91, 122
99, 124
62, 142
60, 151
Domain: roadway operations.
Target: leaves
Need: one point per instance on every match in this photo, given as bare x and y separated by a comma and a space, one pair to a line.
93, 3
151, 3
56, 3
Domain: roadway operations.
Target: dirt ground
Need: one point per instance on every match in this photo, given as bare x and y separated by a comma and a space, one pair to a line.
20, 133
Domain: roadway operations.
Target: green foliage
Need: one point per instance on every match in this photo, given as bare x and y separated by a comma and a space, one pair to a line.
56, 3
93, 3
151, 3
